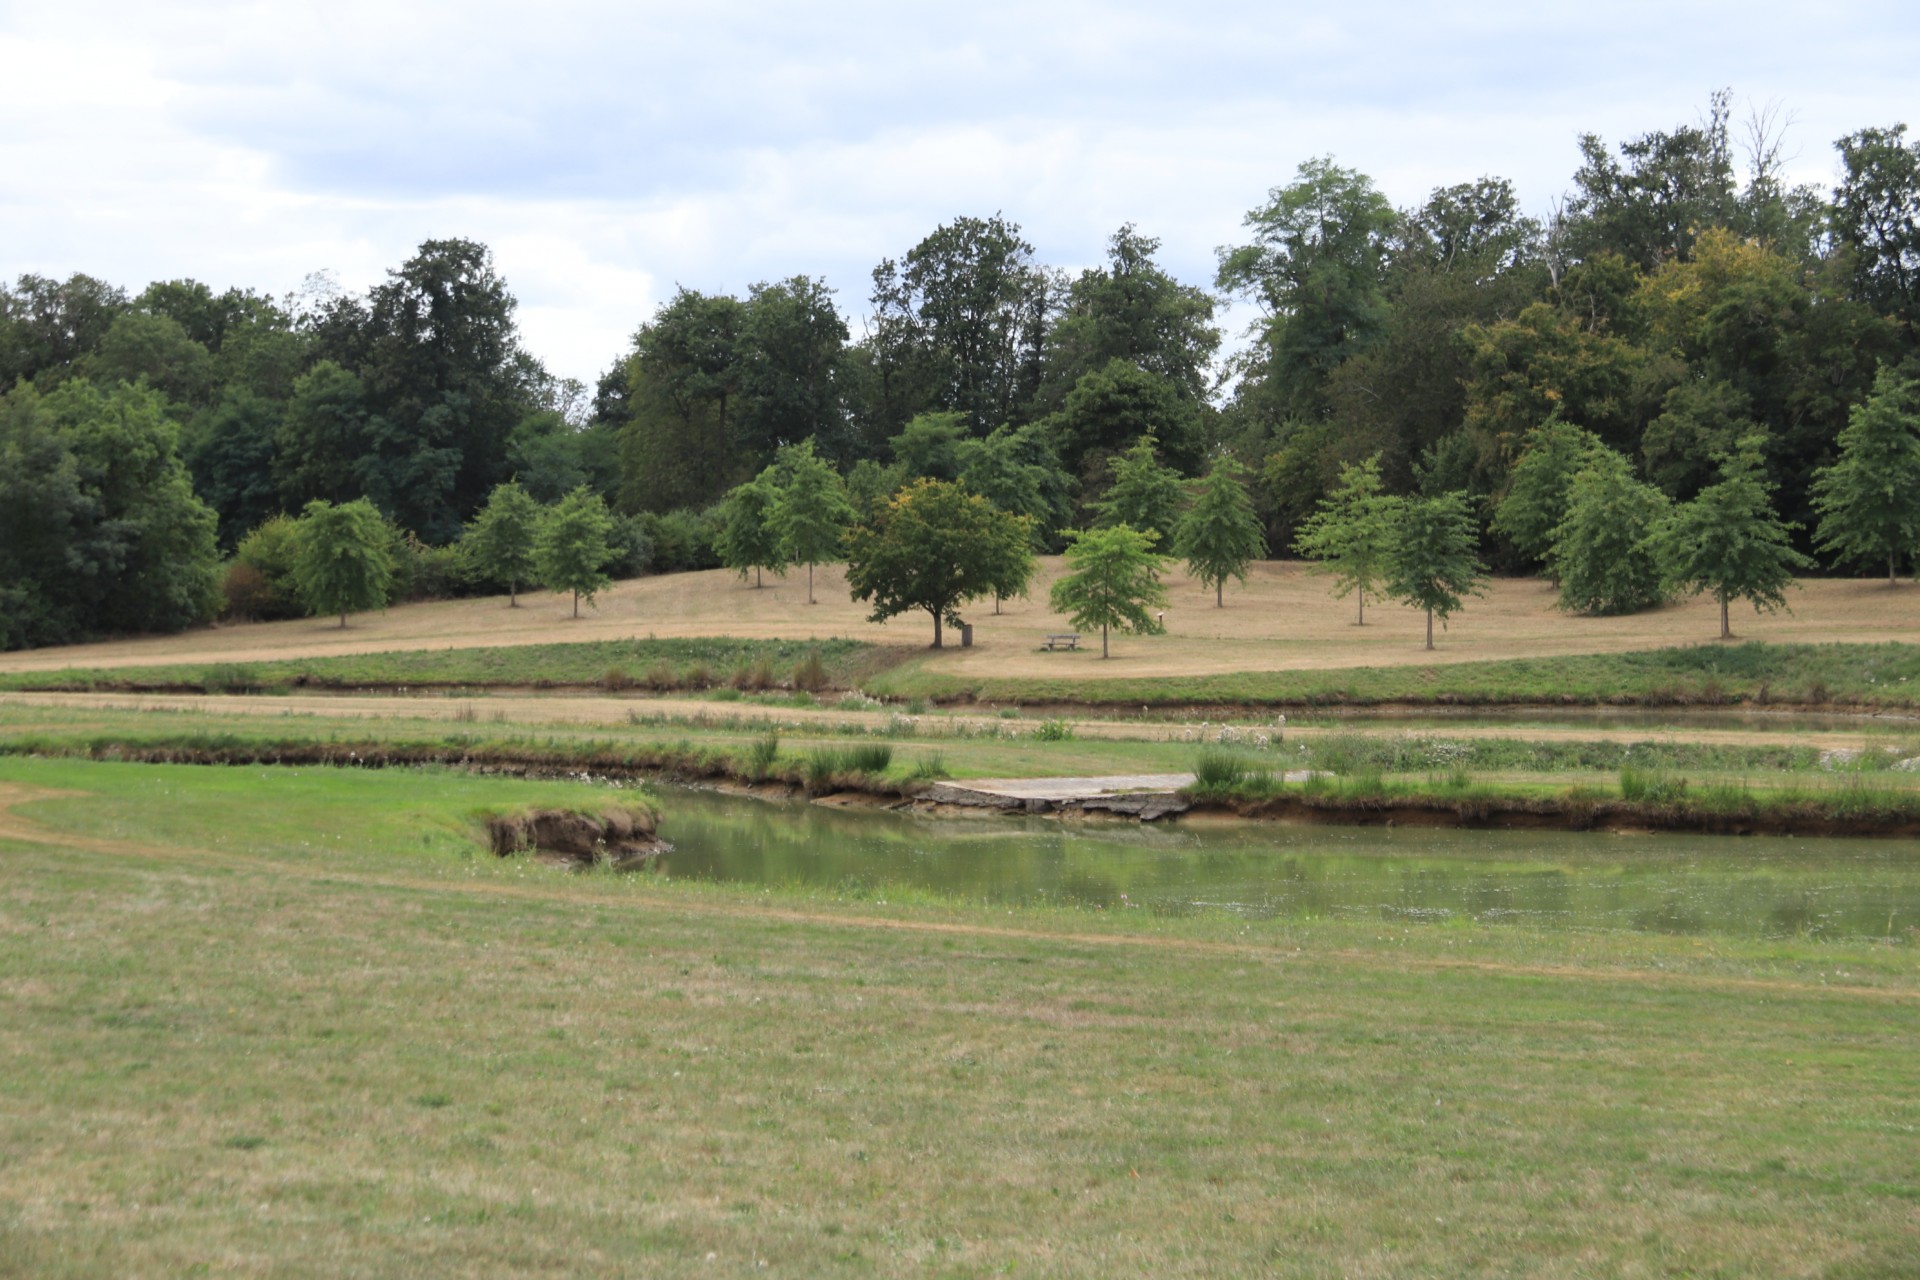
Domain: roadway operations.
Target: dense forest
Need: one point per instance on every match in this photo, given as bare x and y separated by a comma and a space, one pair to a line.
1679, 299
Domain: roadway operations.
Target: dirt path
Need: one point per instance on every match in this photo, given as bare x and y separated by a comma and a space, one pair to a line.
605, 710
14, 826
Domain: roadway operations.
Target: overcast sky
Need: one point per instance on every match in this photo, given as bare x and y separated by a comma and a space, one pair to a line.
610, 151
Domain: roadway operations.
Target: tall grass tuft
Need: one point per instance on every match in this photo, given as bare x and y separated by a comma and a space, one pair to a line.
810, 673
928, 768
761, 753
868, 757
1649, 786
1216, 770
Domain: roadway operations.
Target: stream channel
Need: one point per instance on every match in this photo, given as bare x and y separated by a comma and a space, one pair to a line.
1698, 885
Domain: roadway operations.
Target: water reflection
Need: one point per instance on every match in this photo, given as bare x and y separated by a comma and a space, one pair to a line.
1665, 884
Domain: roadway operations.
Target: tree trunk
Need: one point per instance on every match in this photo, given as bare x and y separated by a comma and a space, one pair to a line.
996, 604
1103, 641
1219, 594
343, 619
1892, 581
1360, 595
1429, 628
936, 627
576, 604
1726, 632
810, 593
513, 595
757, 584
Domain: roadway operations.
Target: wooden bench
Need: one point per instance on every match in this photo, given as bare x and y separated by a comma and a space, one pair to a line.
1071, 640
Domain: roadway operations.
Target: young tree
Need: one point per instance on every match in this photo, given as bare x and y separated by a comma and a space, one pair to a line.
499, 540
1115, 581
810, 513
342, 564
1349, 535
571, 551
1430, 561
1728, 541
1869, 500
1538, 486
1603, 552
747, 538
1144, 495
934, 546
1220, 535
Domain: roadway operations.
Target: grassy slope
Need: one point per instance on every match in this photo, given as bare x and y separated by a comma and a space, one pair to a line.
297, 1028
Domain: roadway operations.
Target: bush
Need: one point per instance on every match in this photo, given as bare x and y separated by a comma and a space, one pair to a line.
1220, 770
761, 753
754, 678
615, 680
245, 593
661, 677
810, 673
270, 550
682, 539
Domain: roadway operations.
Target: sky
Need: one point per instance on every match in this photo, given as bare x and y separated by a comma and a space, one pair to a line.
609, 152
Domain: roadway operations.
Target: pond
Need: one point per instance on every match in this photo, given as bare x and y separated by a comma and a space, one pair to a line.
1702, 885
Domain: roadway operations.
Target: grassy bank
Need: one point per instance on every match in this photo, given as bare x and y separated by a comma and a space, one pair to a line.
261, 1021
1708, 675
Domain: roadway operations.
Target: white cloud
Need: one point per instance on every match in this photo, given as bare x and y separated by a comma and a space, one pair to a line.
609, 151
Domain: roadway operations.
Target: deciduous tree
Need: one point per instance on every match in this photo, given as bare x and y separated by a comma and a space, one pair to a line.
747, 537
1114, 582
1349, 535
341, 563
1144, 495
810, 511
1603, 553
1219, 535
1728, 542
934, 546
499, 541
1869, 499
1430, 561
571, 551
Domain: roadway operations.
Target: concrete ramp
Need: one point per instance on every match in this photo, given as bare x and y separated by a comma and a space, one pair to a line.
1136, 795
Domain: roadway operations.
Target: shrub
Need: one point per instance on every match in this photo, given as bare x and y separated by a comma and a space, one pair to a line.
616, 679
246, 593
697, 676
761, 753
1219, 770
868, 758
810, 673
661, 676
271, 550
230, 677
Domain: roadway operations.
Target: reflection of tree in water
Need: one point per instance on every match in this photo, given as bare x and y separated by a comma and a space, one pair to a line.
1679, 885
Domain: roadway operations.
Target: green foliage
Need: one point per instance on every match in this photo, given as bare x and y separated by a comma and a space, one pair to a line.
1538, 486
1431, 562
1017, 470
1219, 535
810, 511
682, 540
1111, 407
928, 447
1603, 551
1869, 500
935, 546
1113, 582
1132, 310
1053, 729
1144, 495
570, 550
1728, 542
747, 539
761, 754
1351, 532
1650, 786
342, 563
499, 541
271, 549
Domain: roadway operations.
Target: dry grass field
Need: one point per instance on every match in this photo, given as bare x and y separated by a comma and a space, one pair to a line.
1284, 619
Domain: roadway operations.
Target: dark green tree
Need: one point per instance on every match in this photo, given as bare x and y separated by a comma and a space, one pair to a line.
685, 379
928, 447
1431, 562
1876, 216
499, 540
1113, 582
1219, 536
1017, 470
1351, 533
1869, 499
571, 550
810, 511
1131, 310
1603, 553
342, 561
230, 452
1728, 542
933, 546
1113, 406
792, 360
47, 326
1144, 495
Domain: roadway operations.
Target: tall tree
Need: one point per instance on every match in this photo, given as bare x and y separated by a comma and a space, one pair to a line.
500, 538
792, 359
685, 380
1876, 215
47, 326
1144, 494
1219, 535
1113, 582
1431, 563
1349, 536
1728, 542
810, 510
1132, 310
1671, 187
1113, 406
571, 550
933, 546
1316, 265
1537, 487
1017, 470
341, 562
1869, 499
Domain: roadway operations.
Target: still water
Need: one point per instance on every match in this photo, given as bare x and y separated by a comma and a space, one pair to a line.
1666, 884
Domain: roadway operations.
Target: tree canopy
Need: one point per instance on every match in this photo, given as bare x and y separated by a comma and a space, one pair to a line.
933, 547
1113, 582
1219, 536
1728, 542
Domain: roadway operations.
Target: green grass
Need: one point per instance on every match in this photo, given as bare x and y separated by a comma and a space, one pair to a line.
608, 664
301, 1026
1754, 673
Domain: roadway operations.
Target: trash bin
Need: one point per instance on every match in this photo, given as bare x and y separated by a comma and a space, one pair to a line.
966, 635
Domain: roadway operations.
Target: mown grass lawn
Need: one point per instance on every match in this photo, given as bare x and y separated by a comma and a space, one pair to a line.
294, 1022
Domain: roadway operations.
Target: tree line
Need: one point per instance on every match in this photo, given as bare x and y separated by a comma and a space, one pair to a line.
1680, 307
